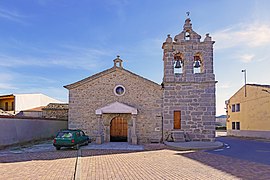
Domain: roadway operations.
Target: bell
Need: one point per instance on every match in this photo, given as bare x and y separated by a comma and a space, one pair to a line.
178, 64
197, 64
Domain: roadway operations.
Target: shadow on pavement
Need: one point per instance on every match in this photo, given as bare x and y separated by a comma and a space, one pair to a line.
236, 167
69, 153
31, 156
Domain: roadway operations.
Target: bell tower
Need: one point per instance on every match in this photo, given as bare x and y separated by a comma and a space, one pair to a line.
189, 85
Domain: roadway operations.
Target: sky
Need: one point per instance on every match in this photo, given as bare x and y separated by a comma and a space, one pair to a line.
46, 44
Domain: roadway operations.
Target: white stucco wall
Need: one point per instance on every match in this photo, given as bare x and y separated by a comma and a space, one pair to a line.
21, 130
29, 101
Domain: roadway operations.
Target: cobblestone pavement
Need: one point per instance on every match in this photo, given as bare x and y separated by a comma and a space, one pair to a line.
155, 162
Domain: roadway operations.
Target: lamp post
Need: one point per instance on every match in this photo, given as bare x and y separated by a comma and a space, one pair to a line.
245, 77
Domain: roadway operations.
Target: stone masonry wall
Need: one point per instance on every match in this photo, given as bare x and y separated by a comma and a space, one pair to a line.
191, 93
196, 101
140, 93
55, 111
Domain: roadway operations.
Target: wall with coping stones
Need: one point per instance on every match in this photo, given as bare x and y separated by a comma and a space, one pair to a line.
56, 111
140, 93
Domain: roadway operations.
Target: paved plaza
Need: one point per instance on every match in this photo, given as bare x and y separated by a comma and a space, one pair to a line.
154, 162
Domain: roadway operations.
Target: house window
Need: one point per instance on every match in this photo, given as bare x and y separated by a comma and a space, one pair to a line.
237, 125
6, 106
12, 104
233, 125
237, 109
233, 108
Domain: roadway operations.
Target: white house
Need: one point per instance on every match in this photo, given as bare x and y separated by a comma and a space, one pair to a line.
14, 103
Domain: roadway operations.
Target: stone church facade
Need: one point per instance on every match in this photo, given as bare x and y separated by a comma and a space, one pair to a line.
118, 105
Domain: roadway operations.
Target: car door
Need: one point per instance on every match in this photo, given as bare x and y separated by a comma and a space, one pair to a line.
80, 139
84, 138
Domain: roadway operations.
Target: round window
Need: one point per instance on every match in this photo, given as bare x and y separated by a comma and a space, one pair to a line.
119, 90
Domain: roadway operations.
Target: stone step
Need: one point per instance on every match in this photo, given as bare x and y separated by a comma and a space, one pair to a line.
179, 140
178, 136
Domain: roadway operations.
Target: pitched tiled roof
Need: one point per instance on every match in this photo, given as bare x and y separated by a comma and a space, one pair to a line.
6, 96
35, 109
259, 85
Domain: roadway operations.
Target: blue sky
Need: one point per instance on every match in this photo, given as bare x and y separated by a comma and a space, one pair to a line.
46, 44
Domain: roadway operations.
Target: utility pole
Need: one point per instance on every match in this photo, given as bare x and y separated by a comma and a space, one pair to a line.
245, 77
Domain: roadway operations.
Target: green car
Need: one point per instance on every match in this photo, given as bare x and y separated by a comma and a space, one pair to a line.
70, 138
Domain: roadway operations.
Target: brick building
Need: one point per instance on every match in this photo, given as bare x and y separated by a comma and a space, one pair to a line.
118, 105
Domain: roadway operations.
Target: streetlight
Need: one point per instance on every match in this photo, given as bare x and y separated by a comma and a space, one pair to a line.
245, 76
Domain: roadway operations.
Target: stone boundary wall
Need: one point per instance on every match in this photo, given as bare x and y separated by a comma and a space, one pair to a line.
56, 111
16, 130
249, 133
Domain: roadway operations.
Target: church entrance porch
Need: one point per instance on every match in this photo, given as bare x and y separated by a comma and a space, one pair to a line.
116, 123
118, 130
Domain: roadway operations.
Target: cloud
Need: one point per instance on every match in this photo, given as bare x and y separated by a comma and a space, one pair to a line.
67, 56
118, 7
11, 15
6, 86
246, 58
5, 80
249, 35
224, 85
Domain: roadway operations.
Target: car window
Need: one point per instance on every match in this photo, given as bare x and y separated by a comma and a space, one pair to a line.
77, 134
64, 135
82, 133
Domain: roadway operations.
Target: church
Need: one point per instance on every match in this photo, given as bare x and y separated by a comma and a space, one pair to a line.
119, 105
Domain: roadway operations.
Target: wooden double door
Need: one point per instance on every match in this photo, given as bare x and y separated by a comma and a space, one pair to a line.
118, 130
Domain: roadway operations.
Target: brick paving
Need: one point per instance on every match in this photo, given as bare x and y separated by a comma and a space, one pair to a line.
156, 162
40, 165
160, 164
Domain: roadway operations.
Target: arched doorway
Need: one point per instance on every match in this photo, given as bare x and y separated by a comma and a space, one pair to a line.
118, 129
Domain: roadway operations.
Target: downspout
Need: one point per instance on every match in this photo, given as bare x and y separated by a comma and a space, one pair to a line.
162, 128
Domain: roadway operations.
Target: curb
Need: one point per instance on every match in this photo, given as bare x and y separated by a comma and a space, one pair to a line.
184, 146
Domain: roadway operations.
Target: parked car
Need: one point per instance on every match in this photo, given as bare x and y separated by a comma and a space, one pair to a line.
70, 138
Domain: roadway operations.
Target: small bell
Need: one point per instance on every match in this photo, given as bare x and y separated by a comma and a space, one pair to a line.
178, 64
197, 64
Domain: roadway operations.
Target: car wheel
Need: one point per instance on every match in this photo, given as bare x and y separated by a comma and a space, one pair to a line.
86, 143
57, 148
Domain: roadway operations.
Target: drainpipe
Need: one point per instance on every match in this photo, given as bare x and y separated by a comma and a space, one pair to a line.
162, 127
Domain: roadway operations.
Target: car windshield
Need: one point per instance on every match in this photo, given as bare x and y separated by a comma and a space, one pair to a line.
64, 135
